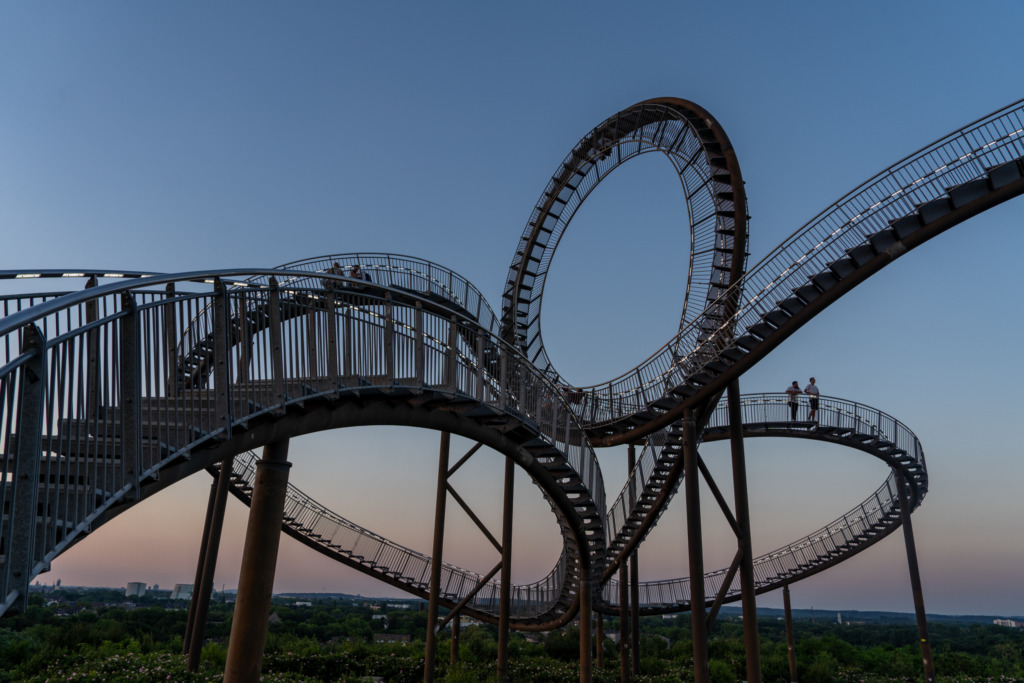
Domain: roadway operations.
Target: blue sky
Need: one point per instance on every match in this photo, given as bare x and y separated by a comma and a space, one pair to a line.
181, 136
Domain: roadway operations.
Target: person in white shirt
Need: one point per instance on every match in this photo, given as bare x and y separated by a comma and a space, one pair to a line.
812, 390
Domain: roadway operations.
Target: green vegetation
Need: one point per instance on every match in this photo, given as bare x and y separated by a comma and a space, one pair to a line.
93, 636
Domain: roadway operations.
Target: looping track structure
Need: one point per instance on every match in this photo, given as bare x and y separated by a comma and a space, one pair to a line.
113, 392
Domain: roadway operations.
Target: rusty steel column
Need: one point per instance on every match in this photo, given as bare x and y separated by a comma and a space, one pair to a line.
634, 579
790, 640
695, 546
259, 561
456, 628
915, 581
200, 564
742, 510
623, 624
599, 637
505, 593
204, 587
430, 653
586, 634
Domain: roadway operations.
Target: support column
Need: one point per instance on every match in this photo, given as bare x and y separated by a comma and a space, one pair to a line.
600, 640
23, 487
915, 581
742, 510
456, 632
430, 653
203, 545
623, 624
586, 635
505, 594
204, 587
695, 545
259, 561
790, 640
634, 578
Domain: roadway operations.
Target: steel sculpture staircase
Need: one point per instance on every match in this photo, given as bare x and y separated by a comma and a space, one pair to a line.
902, 207
111, 394
328, 533
119, 432
916, 199
841, 422
702, 155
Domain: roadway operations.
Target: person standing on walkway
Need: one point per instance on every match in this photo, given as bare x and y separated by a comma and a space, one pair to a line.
812, 390
792, 391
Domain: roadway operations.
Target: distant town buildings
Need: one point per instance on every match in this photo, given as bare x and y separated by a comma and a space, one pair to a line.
1008, 622
182, 591
135, 589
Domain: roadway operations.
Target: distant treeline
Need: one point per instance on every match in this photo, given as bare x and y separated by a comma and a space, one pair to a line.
90, 636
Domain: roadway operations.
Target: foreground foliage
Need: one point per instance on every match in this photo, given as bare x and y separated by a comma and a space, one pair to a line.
331, 641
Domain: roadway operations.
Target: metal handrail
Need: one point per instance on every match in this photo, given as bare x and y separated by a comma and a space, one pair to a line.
769, 409
863, 525
324, 527
895, 192
100, 368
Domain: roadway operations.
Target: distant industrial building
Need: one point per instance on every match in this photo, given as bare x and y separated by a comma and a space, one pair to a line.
135, 589
182, 591
1008, 622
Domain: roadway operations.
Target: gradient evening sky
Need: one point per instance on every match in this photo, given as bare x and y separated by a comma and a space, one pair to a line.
189, 135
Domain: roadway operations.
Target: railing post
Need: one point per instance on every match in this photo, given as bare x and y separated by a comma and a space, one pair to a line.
21, 547
312, 354
599, 637
92, 373
332, 338
452, 369
348, 343
480, 366
130, 390
389, 341
244, 340
171, 339
276, 346
221, 349
418, 347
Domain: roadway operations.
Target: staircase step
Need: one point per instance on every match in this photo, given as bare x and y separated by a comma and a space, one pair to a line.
824, 280
777, 317
968, 192
842, 267
934, 210
861, 254
793, 304
808, 292
906, 226
882, 240
1004, 174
